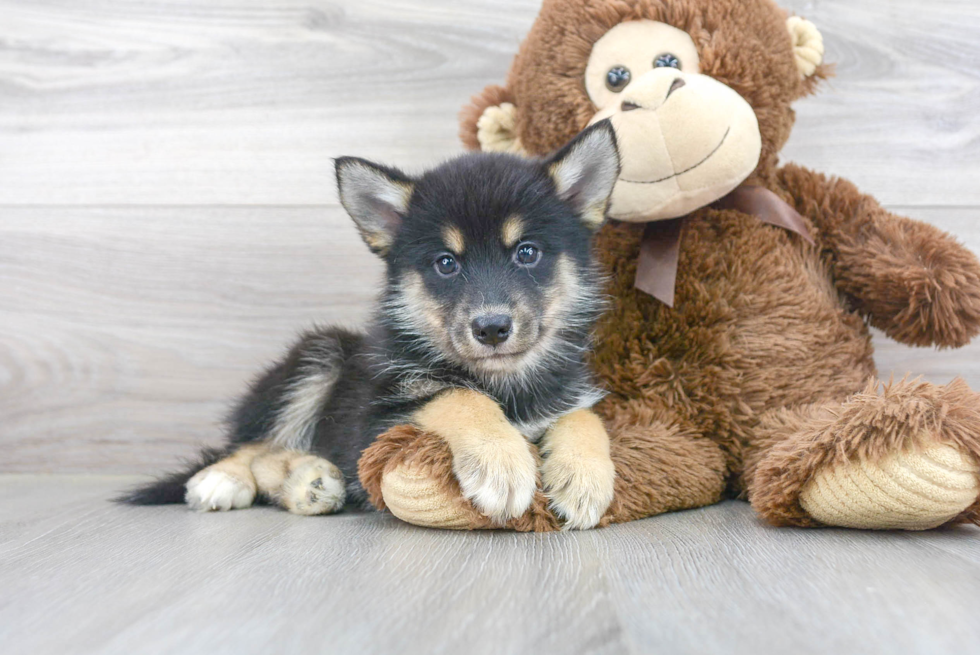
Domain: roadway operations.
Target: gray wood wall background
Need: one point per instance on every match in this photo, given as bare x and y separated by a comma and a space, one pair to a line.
167, 213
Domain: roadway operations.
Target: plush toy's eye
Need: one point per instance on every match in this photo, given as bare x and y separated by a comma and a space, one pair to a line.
666, 60
446, 265
617, 78
527, 254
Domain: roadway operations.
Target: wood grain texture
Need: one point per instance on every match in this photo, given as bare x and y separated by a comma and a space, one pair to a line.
246, 101
82, 576
125, 333
234, 101
898, 118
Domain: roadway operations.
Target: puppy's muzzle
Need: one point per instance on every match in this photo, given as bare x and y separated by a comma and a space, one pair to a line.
492, 329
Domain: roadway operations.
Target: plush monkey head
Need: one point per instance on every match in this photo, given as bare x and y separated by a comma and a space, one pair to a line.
698, 91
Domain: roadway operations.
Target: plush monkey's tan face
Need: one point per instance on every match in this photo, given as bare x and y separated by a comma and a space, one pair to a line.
685, 138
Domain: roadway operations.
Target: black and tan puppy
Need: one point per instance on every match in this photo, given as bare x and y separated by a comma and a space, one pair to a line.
480, 336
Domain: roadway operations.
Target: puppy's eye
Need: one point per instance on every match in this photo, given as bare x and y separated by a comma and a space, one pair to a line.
617, 78
667, 60
446, 265
527, 254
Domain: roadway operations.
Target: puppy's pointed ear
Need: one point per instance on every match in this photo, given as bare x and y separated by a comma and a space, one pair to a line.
585, 172
376, 197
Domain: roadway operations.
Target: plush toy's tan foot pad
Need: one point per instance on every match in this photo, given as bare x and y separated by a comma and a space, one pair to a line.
913, 490
415, 497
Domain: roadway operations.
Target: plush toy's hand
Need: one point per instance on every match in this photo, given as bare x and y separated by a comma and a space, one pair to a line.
926, 289
492, 461
913, 281
578, 473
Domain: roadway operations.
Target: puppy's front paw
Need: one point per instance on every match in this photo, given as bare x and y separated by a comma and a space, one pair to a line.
212, 490
498, 476
579, 488
314, 487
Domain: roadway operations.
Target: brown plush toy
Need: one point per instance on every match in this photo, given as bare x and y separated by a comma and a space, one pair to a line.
752, 374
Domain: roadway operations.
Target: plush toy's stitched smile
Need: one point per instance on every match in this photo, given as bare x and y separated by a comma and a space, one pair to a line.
686, 170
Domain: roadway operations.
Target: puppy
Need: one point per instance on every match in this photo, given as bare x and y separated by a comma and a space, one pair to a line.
479, 336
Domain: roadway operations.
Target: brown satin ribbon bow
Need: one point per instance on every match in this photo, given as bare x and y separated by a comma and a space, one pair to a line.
656, 270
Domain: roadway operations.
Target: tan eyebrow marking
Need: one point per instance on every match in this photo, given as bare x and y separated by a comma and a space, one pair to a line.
512, 230
453, 239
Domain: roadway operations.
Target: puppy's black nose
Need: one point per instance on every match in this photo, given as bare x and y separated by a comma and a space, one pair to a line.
492, 329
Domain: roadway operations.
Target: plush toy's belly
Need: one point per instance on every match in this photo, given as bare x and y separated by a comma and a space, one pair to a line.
756, 324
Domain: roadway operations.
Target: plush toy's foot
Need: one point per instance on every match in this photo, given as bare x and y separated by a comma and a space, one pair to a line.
411, 494
906, 456
911, 490
409, 472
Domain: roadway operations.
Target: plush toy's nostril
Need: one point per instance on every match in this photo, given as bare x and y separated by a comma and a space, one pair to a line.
678, 83
628, 106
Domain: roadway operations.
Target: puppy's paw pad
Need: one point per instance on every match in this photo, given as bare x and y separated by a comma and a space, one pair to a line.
498, 478
314, 487
211, 490
580, 488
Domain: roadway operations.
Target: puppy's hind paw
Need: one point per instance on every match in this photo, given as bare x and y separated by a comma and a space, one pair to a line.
580, 489
315, 486
211, 490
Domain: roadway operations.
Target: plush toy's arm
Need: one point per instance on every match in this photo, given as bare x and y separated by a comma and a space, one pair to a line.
912, 280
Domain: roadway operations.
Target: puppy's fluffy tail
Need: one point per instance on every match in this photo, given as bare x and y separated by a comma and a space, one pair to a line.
170, 489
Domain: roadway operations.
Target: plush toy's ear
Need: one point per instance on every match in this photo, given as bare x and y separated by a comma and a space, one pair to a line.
488, 122
585, 171
807, 45
376, 197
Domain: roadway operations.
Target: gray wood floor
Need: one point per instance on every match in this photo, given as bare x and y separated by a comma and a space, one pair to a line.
168, 223
81, 575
